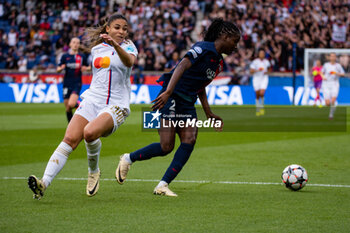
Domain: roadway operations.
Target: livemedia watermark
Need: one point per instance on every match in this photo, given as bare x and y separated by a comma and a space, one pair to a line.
245, 119
157, 120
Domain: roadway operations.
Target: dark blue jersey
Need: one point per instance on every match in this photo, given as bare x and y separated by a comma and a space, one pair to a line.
73, 68
207, 63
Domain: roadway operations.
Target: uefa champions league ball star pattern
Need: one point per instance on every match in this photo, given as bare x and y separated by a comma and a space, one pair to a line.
294, 177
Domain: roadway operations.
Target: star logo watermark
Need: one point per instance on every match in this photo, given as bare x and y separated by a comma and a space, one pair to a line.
151, 120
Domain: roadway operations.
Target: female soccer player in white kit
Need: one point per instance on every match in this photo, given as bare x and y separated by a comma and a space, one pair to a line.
105, 104
259, 69
332, 71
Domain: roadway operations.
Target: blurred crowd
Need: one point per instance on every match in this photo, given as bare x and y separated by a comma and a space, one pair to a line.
36, 33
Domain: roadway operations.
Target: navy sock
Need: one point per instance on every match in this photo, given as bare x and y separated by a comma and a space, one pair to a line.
69, 116
150, 151
180, 158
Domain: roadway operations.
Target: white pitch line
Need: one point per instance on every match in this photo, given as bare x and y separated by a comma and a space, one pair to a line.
190, 181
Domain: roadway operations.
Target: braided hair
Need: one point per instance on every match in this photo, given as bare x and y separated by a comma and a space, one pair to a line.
219, 27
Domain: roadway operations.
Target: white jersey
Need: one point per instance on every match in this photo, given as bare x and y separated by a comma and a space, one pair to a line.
260, 67
330, 86
110, 83
329, 70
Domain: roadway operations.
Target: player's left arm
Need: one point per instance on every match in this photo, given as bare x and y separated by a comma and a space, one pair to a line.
205, 105
85, 68
340, 71
268, 68
127, 58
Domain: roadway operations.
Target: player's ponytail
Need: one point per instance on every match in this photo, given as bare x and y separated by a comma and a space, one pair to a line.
219, 27
93, 33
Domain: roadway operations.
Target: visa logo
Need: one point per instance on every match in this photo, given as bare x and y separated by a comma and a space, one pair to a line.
35, 93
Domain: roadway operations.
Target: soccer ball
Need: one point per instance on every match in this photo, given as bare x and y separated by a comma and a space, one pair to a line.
294, 177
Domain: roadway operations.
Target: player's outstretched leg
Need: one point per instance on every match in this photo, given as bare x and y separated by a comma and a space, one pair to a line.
54, 166
93, 150
37, 186
145, 153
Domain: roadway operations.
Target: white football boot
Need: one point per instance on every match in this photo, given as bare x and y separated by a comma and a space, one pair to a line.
93, 183
122, 169
164, 191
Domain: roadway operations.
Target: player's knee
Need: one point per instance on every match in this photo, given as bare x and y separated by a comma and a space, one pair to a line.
167, 148
189, 140
89, 134
71, 105
73, 142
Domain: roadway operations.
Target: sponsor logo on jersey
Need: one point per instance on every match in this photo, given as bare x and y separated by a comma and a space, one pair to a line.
102, 62
130, 49
210, 74
73, 65
198, 49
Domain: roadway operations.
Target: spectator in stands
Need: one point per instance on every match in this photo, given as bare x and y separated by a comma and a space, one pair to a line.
12, 38
11, 61
173, 25
149, 60
172, 62
66, 15
22, 64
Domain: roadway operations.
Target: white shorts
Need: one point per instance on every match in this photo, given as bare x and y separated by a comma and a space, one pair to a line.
91, 110
260, 83
330, 90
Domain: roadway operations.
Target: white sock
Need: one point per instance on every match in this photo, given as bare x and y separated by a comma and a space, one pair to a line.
332, 110
93, 154
262, 102
56, 163
257, 104
162, 183
127, 158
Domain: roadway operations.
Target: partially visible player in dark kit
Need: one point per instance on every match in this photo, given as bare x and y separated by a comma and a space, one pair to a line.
181, 88
74, 63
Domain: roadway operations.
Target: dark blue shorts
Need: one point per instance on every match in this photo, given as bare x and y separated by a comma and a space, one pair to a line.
176, 108
68, 90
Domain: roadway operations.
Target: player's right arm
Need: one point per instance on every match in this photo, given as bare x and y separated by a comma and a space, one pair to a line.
252, 69
60, 68
62, 64
161, 100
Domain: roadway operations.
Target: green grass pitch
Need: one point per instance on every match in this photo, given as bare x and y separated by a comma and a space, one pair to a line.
31, 132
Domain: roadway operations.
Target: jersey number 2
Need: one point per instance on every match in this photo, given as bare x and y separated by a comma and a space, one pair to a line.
172, 107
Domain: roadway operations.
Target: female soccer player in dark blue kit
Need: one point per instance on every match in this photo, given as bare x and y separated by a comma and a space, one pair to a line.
181, 88
73, 63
